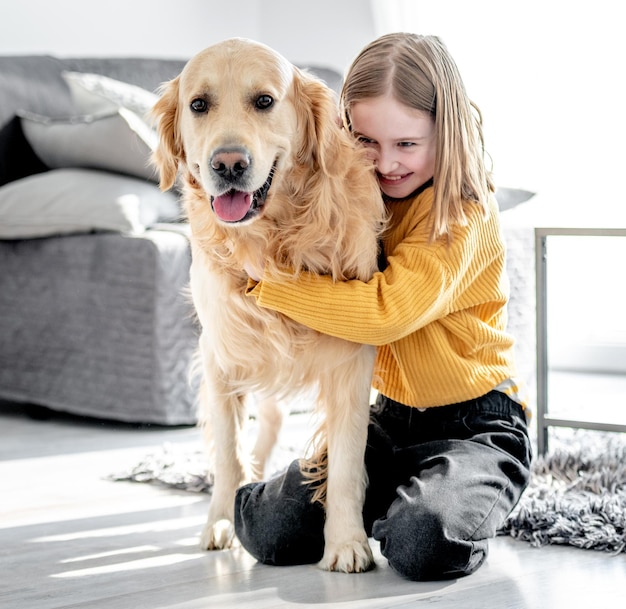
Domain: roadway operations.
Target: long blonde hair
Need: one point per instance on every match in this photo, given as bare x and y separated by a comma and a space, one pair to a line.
420, 73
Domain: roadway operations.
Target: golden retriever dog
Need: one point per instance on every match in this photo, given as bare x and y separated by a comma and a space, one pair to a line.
269, 175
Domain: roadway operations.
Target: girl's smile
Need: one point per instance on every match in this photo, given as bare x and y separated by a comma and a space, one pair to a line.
392, 181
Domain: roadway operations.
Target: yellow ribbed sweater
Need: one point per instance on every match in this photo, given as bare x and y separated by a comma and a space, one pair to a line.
437, 312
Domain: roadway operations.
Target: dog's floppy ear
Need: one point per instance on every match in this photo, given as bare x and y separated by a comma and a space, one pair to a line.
317, 114
169, 152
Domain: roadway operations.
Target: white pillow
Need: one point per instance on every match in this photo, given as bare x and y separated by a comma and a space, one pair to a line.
118, 141
63, 201
94, 93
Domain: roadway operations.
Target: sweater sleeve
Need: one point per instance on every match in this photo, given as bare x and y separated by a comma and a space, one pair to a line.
413, 290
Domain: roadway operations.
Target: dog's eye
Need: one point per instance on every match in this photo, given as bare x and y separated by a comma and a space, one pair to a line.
263, 102
199, 106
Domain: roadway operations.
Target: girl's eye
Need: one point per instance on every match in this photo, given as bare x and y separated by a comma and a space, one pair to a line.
199, 106
365, 140
264, 102
406, 144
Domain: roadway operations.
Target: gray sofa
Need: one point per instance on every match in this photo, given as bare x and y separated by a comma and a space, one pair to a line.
93, 320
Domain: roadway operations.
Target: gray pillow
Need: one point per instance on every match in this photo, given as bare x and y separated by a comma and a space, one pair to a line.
118, 141
508, 198
32, 83
64, 201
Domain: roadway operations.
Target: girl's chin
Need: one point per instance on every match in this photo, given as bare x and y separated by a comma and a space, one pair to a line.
397, 191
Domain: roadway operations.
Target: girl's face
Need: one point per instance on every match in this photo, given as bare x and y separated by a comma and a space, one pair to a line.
401, 141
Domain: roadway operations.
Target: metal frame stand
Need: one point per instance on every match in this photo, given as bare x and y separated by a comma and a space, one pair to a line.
544, 420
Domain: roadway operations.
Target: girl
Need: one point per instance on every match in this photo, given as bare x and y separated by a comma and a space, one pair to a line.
448, 452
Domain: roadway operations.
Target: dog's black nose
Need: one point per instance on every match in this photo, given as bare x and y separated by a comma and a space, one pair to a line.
230, 163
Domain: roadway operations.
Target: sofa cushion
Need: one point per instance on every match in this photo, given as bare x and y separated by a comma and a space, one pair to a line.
145, 72
65, 201
94, 93
33, 83
17, 157
118, 141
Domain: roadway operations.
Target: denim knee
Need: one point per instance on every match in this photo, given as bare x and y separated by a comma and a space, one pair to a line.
418, 546
276, 522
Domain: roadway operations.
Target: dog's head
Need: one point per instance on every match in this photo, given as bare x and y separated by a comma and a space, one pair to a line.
236, 120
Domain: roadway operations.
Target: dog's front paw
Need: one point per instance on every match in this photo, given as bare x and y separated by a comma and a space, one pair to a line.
218, 536
351, 556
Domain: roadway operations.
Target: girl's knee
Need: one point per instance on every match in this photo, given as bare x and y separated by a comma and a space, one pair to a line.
432, 557
418, 545
276, 522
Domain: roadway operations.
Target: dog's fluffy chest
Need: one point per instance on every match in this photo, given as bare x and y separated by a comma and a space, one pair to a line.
234, 325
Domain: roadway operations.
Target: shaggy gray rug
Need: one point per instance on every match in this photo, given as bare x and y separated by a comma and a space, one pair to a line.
577, 493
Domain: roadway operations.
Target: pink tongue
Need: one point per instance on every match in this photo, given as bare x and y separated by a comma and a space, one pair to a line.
233, 206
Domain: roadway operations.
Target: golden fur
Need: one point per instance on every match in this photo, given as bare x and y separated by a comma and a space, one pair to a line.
238, 113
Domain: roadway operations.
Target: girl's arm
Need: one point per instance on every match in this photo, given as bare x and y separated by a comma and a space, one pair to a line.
413, 290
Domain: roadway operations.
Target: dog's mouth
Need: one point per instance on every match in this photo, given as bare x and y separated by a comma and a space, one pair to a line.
239, 206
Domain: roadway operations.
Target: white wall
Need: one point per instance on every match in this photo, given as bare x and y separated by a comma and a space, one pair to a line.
324, 32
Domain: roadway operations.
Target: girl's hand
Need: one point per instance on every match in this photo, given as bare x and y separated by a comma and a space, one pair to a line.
254, 269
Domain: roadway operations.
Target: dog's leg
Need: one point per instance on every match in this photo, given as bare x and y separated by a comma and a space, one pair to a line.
224, 416
270, 419
347, 417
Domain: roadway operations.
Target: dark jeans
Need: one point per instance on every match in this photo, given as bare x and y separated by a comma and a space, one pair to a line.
441, 482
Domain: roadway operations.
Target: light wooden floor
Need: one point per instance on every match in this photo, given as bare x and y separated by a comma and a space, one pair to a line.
70, 538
